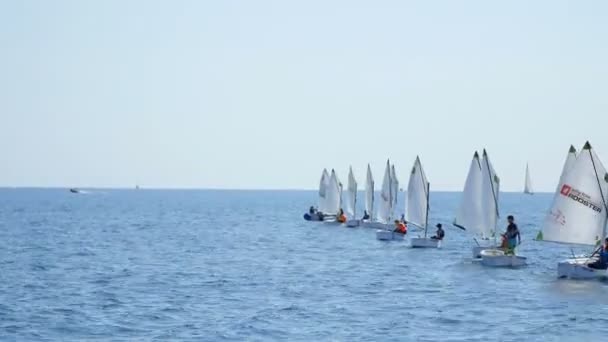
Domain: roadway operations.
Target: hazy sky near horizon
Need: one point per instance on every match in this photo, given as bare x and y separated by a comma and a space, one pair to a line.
264, 94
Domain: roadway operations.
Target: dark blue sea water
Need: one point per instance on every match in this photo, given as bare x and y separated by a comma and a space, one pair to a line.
243, 265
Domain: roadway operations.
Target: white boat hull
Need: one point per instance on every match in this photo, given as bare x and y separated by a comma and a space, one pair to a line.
577, 268
425, 243
477, 251
312, 217
353, 223
388, 235
377, 225
498, 258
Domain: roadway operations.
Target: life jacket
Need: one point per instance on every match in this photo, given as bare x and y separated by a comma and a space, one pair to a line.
342, 218
402, 228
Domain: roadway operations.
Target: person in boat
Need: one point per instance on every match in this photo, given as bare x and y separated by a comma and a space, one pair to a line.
400, 227
512, 236
440, 233
320, 215
602, 261
341, 217
312, 210
365, 215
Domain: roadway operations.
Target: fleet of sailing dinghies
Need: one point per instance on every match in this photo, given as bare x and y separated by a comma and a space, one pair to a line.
579, 213
528, 183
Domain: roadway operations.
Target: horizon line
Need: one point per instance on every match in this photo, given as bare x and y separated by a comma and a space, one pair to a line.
4, 187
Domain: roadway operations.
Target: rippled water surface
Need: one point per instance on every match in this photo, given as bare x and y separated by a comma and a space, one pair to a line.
243, 265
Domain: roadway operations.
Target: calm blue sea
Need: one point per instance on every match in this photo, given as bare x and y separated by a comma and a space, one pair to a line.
244, 266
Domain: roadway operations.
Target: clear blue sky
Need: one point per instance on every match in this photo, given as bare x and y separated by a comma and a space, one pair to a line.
264, 94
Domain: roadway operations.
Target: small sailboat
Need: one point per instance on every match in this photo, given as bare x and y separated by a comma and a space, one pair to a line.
368, 217
74, 191
528, 183
490, 189
385, 208
351, 200
417, 212
470, 212
579, 213
333, 198
317, 215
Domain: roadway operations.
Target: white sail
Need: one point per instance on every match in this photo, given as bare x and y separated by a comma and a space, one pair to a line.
490, 187
333, 195
351, 192
323, 185
579, 213
369, 192
417, 196
570, 159
395, 185
469, 214
528, 183
340, 191
386, 199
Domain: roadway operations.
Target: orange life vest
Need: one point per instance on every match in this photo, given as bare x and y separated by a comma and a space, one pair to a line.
342, 218
402, 228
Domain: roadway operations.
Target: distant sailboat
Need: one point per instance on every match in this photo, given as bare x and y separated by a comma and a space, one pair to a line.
528, 183
369, 193
351, 200
385, 208
322, 205
579, 212
417, 213
334, 196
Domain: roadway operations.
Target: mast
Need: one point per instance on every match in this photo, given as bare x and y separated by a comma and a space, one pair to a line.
355, 205
371, 215
369, 185
597, 178
485, 158
426, 185
426, 223
390, 191
526, 190
351, 177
